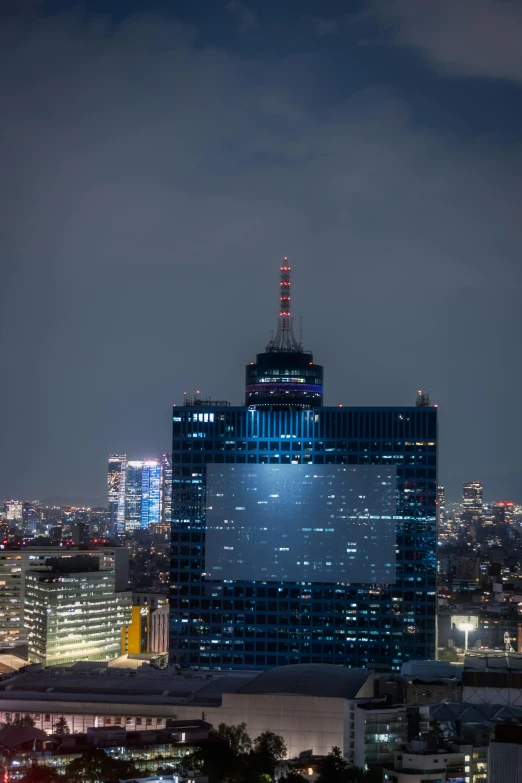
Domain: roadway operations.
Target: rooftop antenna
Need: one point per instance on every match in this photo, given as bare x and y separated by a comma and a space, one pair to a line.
423, 399
284, 340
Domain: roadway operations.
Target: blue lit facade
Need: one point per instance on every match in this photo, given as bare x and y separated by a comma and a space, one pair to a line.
247, 624
151, 493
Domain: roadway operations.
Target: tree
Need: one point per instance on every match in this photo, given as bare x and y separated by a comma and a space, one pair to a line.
25, 722
272, 745
237, 736
40, 774
332, 768
61, 727
95, 766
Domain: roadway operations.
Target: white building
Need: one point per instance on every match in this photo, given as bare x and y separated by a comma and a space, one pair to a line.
16, 561
418, 764
310, 705
74, 614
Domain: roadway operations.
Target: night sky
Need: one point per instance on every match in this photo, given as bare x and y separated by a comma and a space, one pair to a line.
157, 162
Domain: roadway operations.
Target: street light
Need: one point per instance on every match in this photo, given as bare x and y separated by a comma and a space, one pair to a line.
466, 627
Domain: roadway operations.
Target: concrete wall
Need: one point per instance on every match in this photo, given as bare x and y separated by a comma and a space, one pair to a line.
306, 722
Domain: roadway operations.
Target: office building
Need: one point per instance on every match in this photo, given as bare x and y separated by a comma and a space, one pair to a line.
133, 490
15, 562
143, 494
151, 494
73, 612
31, 516
13, 510
116, 492
166, 489
301, 533
472, 505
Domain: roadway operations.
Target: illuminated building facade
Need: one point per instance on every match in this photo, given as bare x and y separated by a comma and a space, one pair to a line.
13, 510
166, 489
472, 503
31, 516
133, 490
116, 491
15, 562
238, 623
151, 493
74, 614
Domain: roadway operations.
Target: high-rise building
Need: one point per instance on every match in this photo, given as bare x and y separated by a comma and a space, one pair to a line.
503, 513
133, 491
472, 504
151, 492
31, 515
301, 533
116, 487
74, 612
166, 489
143, 494
13, 510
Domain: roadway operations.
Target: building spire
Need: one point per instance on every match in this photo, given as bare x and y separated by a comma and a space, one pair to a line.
284, 339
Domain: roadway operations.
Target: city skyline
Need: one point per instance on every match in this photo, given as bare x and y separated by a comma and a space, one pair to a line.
144, 221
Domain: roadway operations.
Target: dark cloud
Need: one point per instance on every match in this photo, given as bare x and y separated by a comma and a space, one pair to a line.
464, 37
150, 187
247, 18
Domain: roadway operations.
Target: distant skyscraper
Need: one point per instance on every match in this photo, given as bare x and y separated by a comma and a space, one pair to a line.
472, 504
116, 491
31, 515
151, 492
301, 534
133, 491
13, 510
166, 490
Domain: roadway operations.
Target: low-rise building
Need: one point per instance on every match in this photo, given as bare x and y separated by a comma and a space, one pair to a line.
152, 752
379, 731
311, 705
423, 762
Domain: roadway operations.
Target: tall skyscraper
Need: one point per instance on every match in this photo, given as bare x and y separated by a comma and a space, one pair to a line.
133, 490
472, 503
166, 489
151, 492
301, 533
116, 492
142, 494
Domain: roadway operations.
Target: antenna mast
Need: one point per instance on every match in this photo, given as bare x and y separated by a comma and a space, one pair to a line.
284, 339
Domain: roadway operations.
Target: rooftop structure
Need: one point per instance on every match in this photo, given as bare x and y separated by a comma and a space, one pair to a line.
284, 375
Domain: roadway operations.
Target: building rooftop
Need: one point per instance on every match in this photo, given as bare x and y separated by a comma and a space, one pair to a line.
104, 685
493, 661
473, 713
309, 679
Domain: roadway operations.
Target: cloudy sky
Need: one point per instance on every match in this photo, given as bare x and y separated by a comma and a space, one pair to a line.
158, 160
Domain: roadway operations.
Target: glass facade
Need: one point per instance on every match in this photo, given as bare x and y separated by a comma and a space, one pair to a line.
74, 616
150, 493
166, 490
116, 491
258, 624
133, 483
